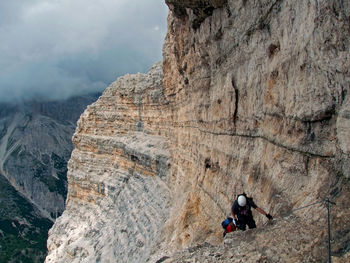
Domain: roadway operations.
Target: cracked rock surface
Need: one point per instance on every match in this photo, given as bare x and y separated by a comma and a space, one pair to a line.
251, 96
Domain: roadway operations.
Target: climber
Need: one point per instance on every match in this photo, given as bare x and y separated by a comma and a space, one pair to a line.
242, 213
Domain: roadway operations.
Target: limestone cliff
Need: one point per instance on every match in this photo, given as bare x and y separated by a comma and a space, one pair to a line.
118, 194
253, 97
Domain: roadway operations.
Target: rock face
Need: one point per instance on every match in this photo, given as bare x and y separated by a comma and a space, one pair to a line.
119, 194
253, 98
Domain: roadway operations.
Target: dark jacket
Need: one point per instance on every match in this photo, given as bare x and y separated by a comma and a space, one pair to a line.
244, 211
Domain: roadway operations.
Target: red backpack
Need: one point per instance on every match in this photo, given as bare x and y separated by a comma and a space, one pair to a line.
229, 225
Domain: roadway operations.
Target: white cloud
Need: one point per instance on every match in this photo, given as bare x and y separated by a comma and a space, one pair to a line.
52, 47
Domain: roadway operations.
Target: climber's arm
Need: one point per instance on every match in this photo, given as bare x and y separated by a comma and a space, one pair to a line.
261, 211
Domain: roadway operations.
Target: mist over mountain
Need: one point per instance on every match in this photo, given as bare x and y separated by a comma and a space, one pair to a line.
60, 49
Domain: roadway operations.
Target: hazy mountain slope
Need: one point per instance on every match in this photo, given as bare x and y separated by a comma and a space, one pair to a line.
35, 144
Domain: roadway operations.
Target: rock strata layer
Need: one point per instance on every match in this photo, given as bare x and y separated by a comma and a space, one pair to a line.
118, 195
253, 98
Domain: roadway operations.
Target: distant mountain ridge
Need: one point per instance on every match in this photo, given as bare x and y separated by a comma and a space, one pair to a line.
35, 145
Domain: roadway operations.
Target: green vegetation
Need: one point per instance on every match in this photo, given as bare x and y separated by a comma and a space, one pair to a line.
23, 233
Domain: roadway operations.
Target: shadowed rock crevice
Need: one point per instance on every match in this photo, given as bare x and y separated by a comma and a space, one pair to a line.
201, 9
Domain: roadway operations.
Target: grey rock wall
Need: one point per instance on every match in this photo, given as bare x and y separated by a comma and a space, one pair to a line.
119, 194
254, 98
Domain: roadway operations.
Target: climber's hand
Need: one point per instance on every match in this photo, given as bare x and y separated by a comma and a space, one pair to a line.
269, 216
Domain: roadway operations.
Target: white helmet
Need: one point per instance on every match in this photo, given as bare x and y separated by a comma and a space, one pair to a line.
242, 201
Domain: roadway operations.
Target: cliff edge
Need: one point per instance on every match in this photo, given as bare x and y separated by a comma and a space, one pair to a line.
250, 96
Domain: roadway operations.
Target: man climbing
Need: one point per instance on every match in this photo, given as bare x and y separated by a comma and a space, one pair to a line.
242, 213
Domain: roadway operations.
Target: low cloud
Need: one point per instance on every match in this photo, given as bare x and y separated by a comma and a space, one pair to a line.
59, 48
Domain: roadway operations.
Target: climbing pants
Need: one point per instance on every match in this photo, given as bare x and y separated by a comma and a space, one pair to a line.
244, 221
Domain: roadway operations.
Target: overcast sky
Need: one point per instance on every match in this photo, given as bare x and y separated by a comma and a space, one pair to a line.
59, 48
